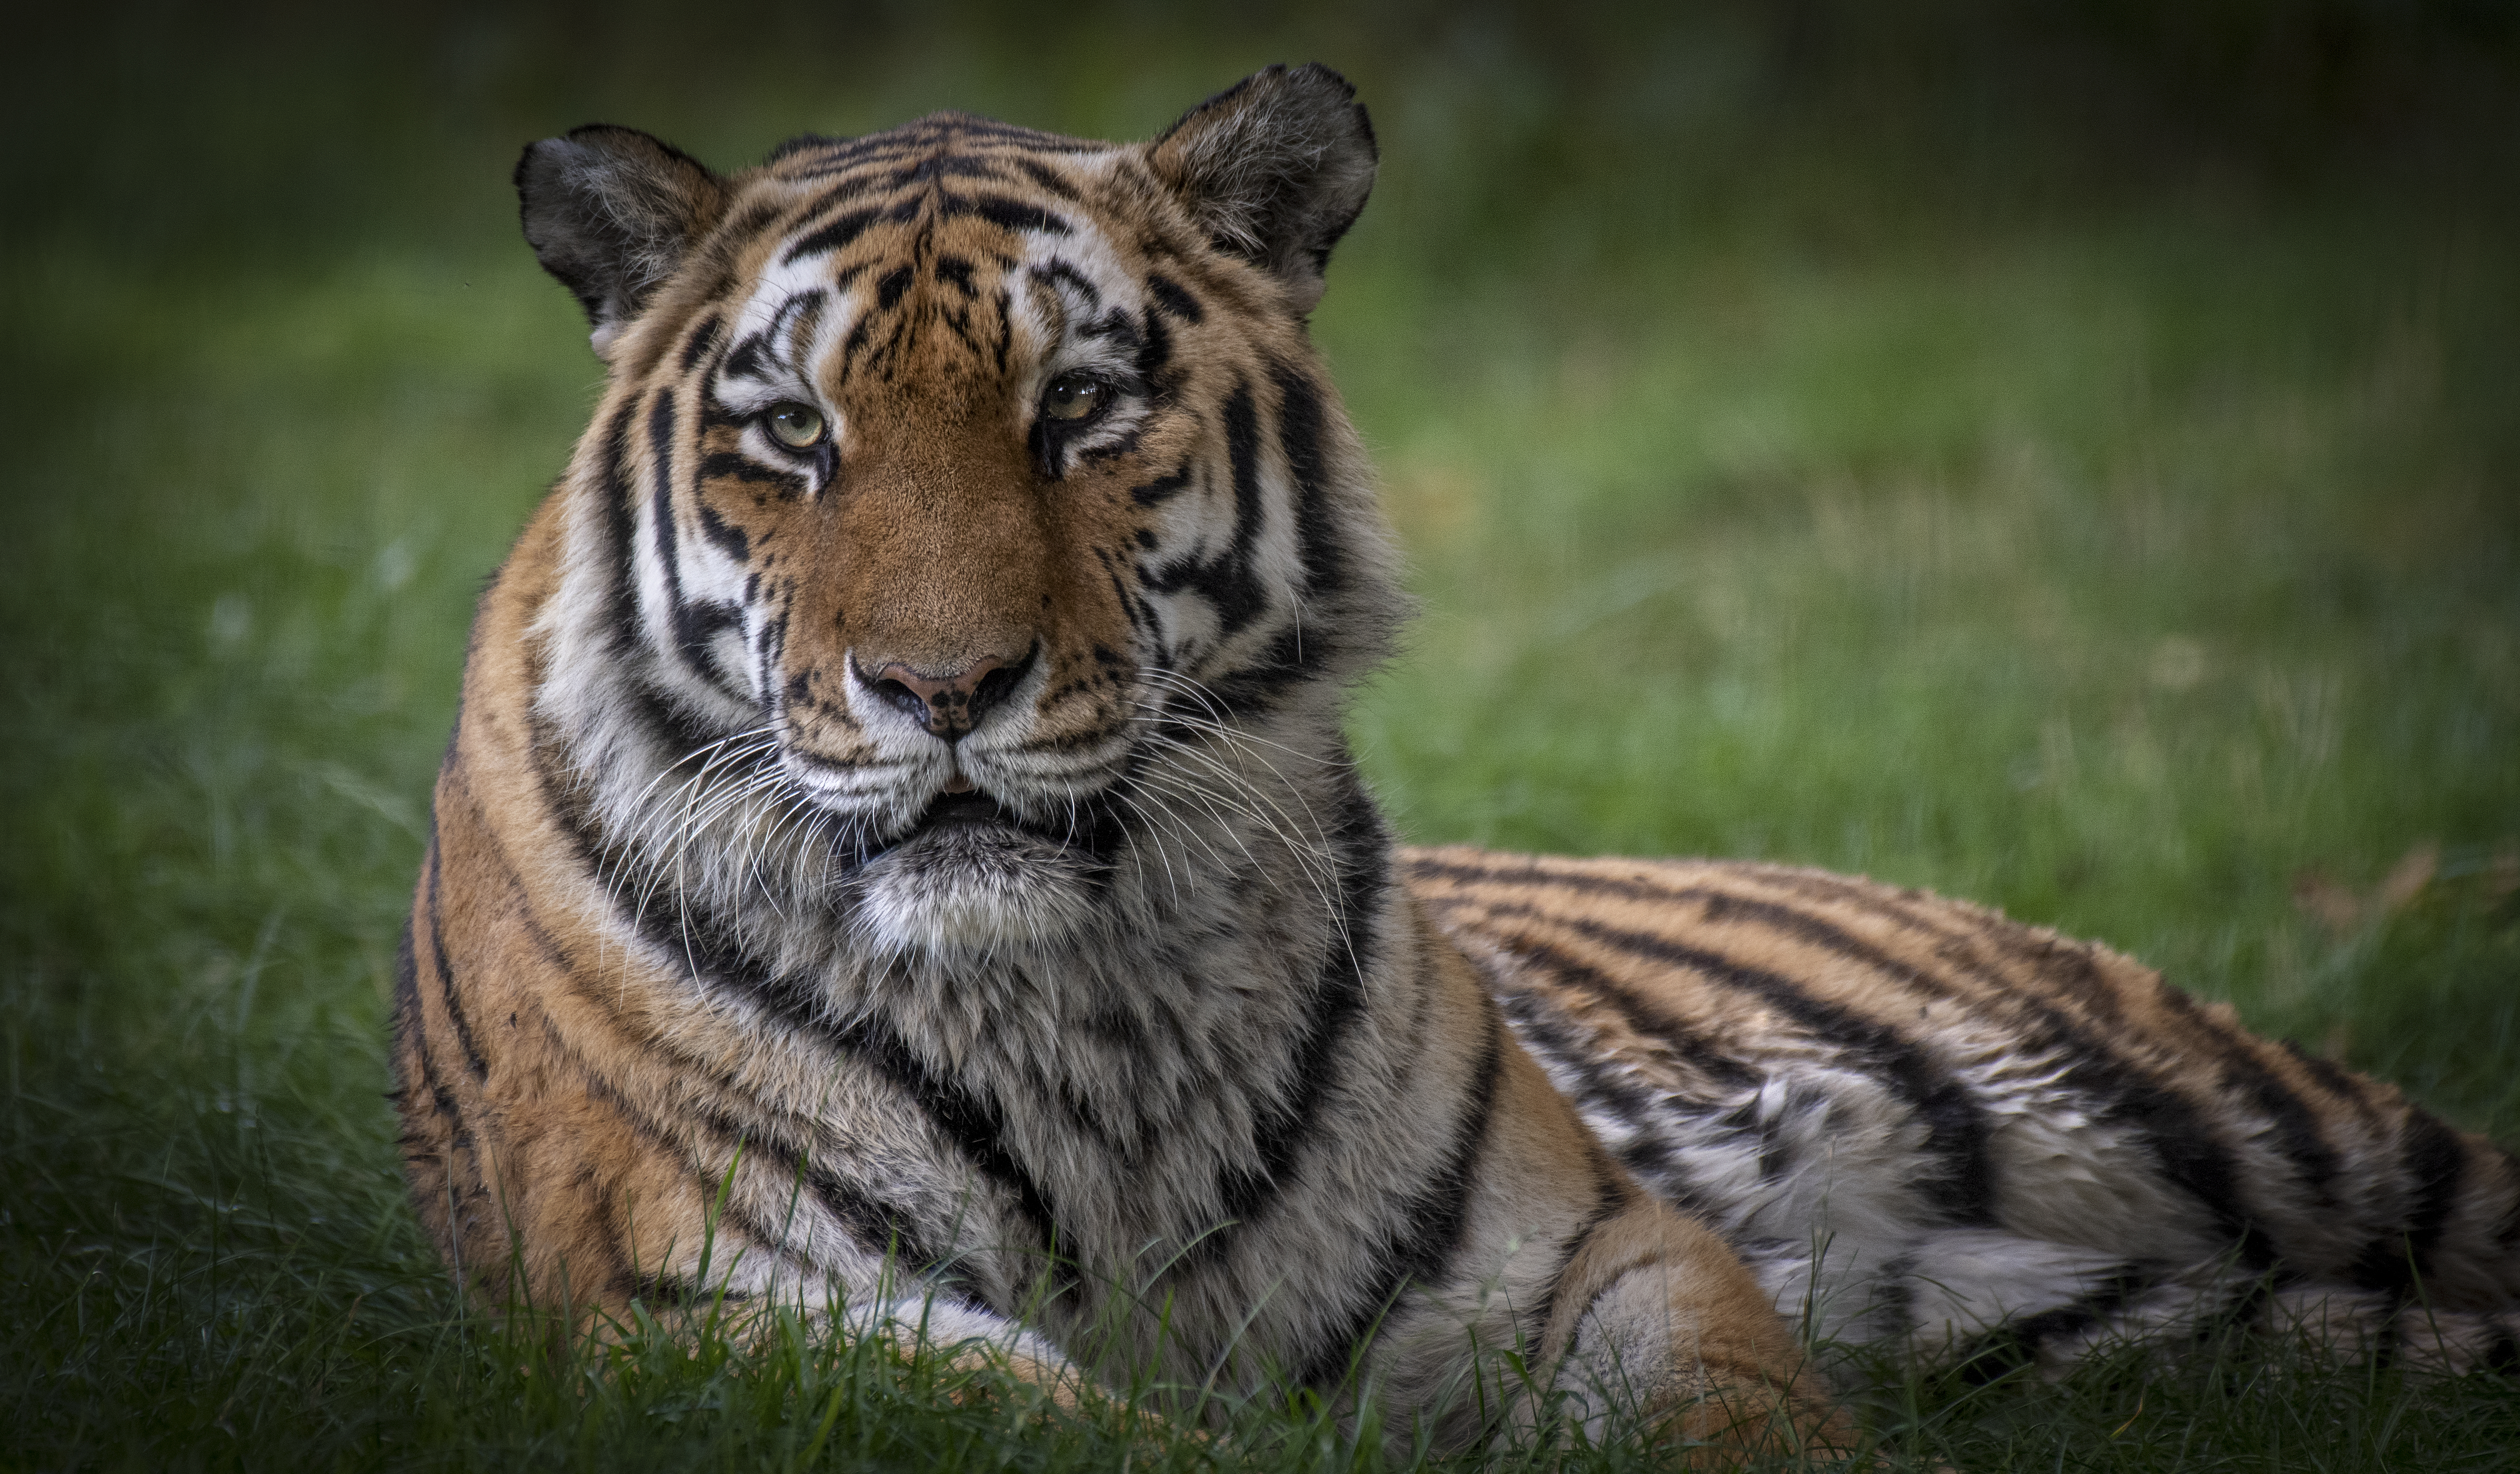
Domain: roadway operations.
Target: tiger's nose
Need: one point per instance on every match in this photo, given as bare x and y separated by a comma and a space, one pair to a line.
949, 705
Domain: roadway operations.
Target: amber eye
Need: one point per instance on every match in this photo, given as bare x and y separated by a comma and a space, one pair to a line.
799, 427
1073, 398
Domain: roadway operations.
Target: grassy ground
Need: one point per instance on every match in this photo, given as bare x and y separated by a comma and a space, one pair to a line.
2104, 509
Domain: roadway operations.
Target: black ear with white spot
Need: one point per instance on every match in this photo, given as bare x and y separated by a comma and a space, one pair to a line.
1275, 170
611, 213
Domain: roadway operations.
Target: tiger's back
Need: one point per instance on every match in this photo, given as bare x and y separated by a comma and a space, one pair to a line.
1951, 1130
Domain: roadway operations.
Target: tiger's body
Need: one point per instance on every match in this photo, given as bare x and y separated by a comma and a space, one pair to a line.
1937, 1130
898, 855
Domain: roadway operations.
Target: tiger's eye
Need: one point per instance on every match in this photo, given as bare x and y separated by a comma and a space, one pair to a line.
1073, 396
799, 427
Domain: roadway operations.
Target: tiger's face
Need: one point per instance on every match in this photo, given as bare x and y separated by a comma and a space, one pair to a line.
952, 479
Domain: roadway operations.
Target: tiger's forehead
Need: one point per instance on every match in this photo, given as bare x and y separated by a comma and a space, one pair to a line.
954, 241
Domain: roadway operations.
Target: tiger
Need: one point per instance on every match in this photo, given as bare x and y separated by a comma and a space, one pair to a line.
898, 858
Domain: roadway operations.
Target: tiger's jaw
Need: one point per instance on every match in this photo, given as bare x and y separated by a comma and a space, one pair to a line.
972, 876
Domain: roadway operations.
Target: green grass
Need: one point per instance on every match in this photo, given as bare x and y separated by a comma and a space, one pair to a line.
2121, 532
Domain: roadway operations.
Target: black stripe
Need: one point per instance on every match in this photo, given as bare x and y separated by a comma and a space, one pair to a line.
971, 128
2059, 964
407, 970
2333, 1078
674, 1292
2391, 1340
935, 167
2435, 1164
2243, 1312
750, 359
1154, 356
804, 142
2016, 1344
798, 316
703, 339
864, 155
732, 465
1048, 179
621, 597
1430, 1236
1173, 297
1228, 582
447, 993
1161, 490
1609, 1200
695, 624
1288, 1121
1119, 329
1299, 435
415, 1034
1594, 1090
703, 1175
1894, 1296
1061, 273
860, 332
755, 218
998, 210
1291, 657
833, 237
971, 1119
729, 539
876, 1227
2315, 1162
1234, 587
880, 1229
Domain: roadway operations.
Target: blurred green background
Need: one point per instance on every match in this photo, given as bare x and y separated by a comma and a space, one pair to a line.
2064, 454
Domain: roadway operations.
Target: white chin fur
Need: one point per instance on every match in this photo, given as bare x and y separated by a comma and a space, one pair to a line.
965, 893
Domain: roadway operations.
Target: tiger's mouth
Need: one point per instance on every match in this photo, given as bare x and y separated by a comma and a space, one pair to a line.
963, 810
976, 826
953, 828
976, 820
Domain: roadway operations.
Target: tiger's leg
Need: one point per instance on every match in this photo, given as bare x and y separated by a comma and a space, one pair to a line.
1621, 1312
1659, 1317
562, 1184
1990, 1302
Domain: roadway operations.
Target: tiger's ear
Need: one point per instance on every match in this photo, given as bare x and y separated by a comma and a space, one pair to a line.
1276, 168
611, 213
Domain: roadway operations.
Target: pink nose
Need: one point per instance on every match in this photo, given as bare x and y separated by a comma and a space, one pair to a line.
948, 705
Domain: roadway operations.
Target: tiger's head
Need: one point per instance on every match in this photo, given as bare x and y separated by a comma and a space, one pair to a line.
967, 508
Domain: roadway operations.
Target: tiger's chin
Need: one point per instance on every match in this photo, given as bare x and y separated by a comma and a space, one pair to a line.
966, 883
